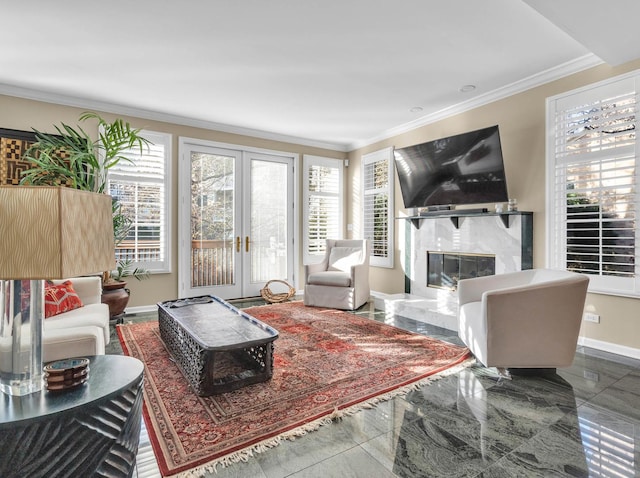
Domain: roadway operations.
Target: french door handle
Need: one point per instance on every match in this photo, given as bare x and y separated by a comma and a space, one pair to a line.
246, 243
238, 242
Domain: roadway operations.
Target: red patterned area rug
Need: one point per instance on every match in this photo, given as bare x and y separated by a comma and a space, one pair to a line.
327, 364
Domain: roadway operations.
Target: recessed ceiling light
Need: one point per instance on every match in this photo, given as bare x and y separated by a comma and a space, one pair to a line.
467, 88
416, 109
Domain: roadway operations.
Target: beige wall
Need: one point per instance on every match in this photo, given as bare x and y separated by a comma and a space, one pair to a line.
521, 119
21, 114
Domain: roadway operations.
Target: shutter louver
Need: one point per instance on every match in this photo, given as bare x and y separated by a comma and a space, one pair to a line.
377, 201
139, 186
323, 207
376, 207
595, 186
149, 164
600, 216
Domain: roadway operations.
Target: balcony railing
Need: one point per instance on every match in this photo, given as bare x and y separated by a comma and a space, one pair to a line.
211, 263
144, 252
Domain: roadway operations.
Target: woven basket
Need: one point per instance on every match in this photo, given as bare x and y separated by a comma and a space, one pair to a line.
280, 297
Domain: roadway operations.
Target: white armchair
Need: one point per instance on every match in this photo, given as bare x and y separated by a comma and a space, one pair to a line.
525, 319
341, 280
78, 332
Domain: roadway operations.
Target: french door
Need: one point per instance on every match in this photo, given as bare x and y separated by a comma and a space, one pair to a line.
236, 221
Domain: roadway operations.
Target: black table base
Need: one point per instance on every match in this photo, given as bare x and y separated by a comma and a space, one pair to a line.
92, 431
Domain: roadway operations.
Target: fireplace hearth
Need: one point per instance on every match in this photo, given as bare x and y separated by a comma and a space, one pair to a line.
445, 269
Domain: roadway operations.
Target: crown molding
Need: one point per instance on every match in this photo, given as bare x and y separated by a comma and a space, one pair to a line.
566, 69
114, 108
541, 78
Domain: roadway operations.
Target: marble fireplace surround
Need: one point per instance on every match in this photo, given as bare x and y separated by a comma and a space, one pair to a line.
475, 233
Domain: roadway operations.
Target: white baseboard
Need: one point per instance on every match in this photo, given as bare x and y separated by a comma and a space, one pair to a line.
142, 309
609, 347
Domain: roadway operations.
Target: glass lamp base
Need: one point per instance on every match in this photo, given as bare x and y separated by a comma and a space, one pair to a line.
22, 313
20, 386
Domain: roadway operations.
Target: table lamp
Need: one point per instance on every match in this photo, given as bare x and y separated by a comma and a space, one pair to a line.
45, 233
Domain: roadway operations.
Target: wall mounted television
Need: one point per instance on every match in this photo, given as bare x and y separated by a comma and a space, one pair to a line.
463, 169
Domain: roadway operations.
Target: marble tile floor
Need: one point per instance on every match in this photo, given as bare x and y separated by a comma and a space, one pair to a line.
583, 421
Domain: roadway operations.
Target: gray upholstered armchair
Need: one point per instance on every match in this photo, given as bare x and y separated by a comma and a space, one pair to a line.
526, 319
341, 280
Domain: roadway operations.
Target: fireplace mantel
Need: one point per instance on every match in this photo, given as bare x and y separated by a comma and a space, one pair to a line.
478, 232
455, 216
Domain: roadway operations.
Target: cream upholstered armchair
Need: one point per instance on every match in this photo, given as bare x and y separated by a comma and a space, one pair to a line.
526, 319
79, 331
341, 280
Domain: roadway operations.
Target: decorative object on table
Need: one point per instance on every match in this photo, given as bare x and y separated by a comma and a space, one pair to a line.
47, 233
499, 207
276, 297
66, 374
512, 205
328, 363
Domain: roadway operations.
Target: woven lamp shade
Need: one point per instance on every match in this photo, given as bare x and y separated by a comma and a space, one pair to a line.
54, 233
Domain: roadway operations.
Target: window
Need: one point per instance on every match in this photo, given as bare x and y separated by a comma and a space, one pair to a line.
378, 207
592, 177
142, 189
323, 204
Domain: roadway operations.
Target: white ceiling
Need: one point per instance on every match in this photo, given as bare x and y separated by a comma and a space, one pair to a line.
332, 73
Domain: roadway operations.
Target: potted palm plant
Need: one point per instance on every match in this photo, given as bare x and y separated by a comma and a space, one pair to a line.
72, 158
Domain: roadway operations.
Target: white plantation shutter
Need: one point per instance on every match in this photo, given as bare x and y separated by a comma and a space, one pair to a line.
323, 204
377, 201
142, 188
593, 177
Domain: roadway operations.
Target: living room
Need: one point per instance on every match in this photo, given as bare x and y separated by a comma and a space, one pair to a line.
522, 121
520, 110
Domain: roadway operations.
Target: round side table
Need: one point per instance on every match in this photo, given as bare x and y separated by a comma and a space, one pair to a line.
90, 431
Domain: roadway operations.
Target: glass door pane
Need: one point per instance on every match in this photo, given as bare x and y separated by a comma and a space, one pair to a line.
213, 236
270, 222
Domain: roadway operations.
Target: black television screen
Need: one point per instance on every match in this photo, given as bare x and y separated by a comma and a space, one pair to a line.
462, 169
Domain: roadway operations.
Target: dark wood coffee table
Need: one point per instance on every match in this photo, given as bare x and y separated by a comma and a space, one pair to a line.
218, 347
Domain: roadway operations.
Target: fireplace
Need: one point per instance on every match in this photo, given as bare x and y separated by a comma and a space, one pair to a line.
445, 269
505, 238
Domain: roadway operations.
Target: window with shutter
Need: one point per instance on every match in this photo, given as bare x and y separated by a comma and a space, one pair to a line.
323, 204
377, 201
592, 184
141, 187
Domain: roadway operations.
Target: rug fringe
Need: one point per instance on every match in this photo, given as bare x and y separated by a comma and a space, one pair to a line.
337, 414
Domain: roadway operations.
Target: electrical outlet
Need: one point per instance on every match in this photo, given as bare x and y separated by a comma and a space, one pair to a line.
588, 317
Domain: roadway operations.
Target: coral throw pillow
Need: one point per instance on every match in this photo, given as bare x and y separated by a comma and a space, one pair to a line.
60, 298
